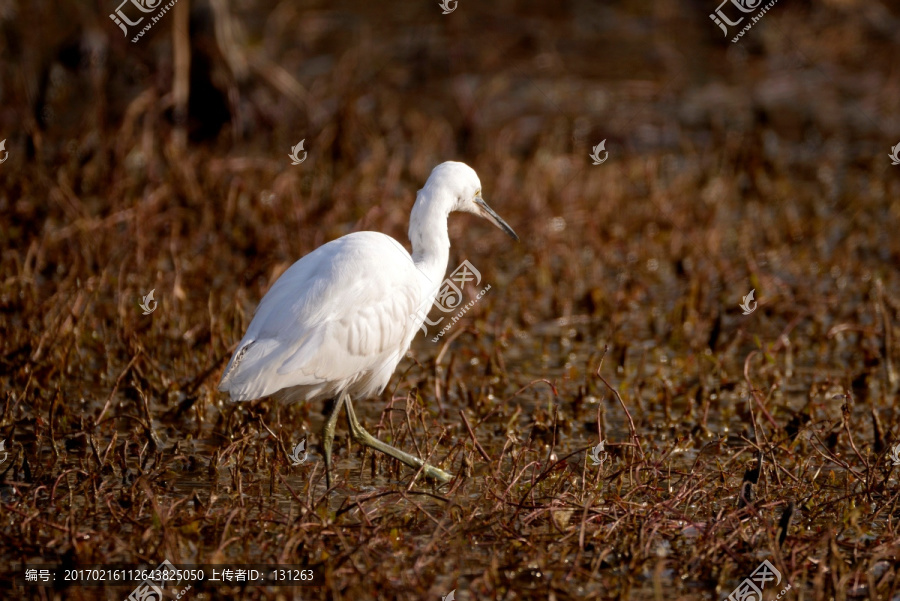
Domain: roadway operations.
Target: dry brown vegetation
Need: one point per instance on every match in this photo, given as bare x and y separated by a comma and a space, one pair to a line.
759, 165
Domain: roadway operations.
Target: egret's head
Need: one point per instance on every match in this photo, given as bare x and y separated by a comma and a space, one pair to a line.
462, 184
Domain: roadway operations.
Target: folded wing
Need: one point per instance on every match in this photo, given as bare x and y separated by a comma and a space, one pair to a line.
338, 317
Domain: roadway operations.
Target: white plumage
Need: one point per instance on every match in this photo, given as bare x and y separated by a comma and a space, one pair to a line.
326, 326
338, 321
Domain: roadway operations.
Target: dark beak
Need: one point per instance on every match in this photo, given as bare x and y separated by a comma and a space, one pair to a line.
491, 215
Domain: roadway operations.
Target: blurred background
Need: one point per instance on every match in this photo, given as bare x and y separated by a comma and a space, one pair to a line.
159, 161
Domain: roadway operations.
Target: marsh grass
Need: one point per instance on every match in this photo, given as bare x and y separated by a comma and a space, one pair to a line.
755, 437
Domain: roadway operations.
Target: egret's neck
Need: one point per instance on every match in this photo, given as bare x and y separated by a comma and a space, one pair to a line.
428, 233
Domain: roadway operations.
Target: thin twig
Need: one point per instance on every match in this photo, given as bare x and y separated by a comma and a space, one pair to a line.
481, 451
634, 436
116, 387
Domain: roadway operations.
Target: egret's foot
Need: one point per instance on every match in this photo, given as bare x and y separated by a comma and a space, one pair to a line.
437, 474
328, 437
361, 436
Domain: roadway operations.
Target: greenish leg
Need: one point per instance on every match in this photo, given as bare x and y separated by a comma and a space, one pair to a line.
328, 436
363, 437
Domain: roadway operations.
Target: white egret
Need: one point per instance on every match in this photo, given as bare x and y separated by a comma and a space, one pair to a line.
337, 322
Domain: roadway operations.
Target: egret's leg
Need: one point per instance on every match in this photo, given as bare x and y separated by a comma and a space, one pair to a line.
328, 436
363, 437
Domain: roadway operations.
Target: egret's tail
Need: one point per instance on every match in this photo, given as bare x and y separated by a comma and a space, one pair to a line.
253, 373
